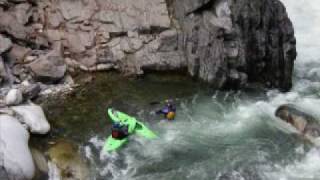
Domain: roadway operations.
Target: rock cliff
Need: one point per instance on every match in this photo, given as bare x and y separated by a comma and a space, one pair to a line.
227, 43
230, 43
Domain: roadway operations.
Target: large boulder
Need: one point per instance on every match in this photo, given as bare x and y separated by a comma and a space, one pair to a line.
33, 116
49, 68
15, 156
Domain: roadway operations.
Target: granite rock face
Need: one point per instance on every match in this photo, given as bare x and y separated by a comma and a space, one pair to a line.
226, 43
230, 43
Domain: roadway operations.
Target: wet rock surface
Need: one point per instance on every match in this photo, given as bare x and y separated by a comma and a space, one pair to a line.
305, 123
65, 156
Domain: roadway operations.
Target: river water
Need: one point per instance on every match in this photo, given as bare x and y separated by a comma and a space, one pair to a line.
216, 135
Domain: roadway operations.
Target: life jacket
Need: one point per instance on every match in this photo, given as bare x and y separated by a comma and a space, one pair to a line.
115, 134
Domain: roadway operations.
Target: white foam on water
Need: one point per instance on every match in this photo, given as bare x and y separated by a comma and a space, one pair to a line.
88, 152
113, 163
54, 172
307, 168
201, 130
202, 123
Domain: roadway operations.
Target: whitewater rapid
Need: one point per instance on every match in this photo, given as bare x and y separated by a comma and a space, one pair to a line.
229, 135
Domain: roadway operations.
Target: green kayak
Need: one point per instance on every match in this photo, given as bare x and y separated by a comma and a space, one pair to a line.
134, 127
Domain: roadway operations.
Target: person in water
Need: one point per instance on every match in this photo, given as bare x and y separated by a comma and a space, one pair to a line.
119, 131
169, 110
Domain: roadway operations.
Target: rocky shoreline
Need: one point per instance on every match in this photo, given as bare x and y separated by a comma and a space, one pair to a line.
20, 118
17, 120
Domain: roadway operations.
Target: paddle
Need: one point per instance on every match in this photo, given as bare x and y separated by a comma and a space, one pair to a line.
160, 102
155, 102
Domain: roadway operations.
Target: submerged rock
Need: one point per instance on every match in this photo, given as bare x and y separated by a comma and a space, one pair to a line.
15, 156
306, 124
66, 158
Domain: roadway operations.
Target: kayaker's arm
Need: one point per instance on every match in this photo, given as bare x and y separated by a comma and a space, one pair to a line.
159, 111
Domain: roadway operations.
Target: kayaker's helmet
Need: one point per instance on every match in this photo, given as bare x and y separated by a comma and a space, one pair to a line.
170, 115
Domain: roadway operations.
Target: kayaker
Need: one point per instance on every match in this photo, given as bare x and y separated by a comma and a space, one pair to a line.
169, 110
119, 131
